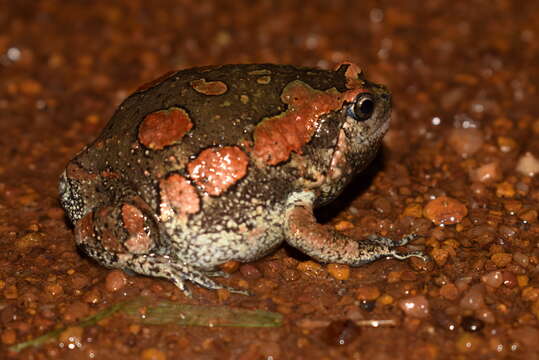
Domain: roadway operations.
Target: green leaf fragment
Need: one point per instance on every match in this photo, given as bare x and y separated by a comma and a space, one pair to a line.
168, 312
149, 312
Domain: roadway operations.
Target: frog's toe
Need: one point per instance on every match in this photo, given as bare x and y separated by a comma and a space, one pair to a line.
402, 256
218, 273
180, 283
202, 279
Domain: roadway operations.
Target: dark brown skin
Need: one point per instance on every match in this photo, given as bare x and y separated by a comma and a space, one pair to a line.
224, 163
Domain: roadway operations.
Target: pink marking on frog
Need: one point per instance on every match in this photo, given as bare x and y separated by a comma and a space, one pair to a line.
209, 87
352, 74
178, 196
138, 241
278, 136
164, 127
216, 169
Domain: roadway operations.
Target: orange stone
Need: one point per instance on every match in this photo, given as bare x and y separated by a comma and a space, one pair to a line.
445, 210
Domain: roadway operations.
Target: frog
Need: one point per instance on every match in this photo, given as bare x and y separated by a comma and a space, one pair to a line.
214, 164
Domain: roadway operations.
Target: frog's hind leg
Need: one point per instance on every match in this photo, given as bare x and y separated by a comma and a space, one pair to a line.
327, 245
125, 235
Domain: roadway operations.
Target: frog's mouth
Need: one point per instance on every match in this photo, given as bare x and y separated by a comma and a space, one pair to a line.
340, 166
338, 159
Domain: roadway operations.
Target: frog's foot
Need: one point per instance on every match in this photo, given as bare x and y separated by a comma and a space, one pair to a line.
124, 235
325, 244
177, 272
386, 242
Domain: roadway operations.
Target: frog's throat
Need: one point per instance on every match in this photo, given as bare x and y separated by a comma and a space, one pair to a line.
338, 159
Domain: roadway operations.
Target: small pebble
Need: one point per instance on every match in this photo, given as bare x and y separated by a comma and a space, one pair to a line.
512, 205
290, 274
528, 164
493, 279
471, 324
445, 210
501, 259
385, 299
344, 225
367, 293
510, 280
439, 256
54, 289
339, 271
76, 311
341, 332
115, 280
468, 342
250, 272
367, 305
485, 315
92, 296
9, 337
473, 299
505, 189
530, 293
522, 188
465, 141
486, 173
30, 240
152, 354
79, 281
507, 232
506, 144
417, 306
72, 335
444, 321
521, 259
522, 280
311, 268
449, 291
528, 216
413, 210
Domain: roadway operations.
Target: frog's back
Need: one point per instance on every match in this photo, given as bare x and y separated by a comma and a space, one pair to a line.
221, 103
166, 124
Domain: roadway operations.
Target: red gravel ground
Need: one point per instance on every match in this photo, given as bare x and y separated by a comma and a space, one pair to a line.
457, 168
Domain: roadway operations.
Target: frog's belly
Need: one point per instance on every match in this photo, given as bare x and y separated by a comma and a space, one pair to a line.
212, 249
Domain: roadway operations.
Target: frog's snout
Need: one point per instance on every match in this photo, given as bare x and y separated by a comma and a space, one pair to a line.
70, 198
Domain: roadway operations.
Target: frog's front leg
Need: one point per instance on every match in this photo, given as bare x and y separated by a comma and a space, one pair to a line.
125, 236
324, 244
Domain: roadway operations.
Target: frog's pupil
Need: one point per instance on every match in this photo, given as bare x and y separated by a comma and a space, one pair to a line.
364, 107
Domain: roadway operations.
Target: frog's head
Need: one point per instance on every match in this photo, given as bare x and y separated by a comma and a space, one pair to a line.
331, 129
355, 132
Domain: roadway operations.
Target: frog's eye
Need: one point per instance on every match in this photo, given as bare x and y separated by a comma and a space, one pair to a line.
363, 107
